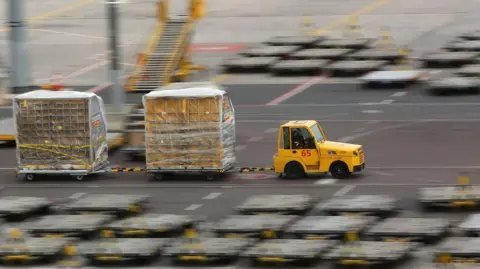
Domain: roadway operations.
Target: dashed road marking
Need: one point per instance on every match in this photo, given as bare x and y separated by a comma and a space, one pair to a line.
77, 195
193, 207
344, 190
382, 173
358, 130
212, 195
325, 181
387, 102
240, 147
399, 94
372, 111
255, 139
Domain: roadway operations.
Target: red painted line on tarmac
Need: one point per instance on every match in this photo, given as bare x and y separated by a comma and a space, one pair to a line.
216, 47
295, 91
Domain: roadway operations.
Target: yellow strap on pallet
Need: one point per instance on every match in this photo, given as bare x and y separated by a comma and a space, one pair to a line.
57, 152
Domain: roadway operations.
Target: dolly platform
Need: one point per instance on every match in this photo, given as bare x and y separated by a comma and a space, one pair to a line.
461, 196
371, 253
425, 230
329, 227
117, 204
276, 204
208, 250
392, 78
59, 226
256, 226
32, 250
458, 250
357, 205
471, 225
133, 250
151, 226
304, 252
21, 207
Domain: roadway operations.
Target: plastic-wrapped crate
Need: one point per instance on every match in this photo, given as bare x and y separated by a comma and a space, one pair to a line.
60, 130
189, 126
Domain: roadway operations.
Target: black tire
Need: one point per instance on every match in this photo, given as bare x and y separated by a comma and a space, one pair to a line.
79, 177
159, 177
294, 170
211, 177
30, 177
339, 170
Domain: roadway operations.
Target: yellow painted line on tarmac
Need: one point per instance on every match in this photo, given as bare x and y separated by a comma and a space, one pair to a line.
56, 12
365, 10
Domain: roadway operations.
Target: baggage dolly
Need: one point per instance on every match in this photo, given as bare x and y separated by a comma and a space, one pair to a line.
460, 196
32, 250
293, 251
424, 230
458, 250
372, 253
71, 226
123, 250
253, 226
328, 227
401, 78
358, 205
471, 225
151, 226
208, 250
114, 204
276, 205
453, 85
18, 208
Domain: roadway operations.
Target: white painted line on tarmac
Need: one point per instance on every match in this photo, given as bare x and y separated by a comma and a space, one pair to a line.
344, 190
212, 196
295, 91
240, 147
375, 131
399, 94
376, 103
387, 102
271, 130
382, 173
373, 111
193, 207
255, 139
326, 181
76, 195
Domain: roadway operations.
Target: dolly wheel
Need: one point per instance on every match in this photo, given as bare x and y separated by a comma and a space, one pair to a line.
159, 177
29, 177
79, 178
339, 170
211, 177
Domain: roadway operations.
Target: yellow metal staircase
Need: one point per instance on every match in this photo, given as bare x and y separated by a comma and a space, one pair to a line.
165, 57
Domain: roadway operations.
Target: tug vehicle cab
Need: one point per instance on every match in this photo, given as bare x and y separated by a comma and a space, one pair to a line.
303, 148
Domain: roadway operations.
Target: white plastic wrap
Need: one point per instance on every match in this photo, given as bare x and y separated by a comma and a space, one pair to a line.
60, 130
189, 126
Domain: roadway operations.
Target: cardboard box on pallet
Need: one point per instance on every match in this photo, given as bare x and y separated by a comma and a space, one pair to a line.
60, 130
189, 126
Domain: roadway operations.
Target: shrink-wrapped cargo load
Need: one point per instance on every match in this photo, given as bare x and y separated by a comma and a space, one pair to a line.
189, 126
63, 130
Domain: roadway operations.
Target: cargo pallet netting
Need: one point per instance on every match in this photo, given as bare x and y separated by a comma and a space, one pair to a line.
189, 128
60, 133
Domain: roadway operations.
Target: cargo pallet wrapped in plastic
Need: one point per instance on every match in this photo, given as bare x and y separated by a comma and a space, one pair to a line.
189, 127
60, 132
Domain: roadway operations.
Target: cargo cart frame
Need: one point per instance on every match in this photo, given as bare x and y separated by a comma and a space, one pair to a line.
211, 174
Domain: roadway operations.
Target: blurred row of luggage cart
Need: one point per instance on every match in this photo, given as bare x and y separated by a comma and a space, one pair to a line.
455, 66
299, 230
